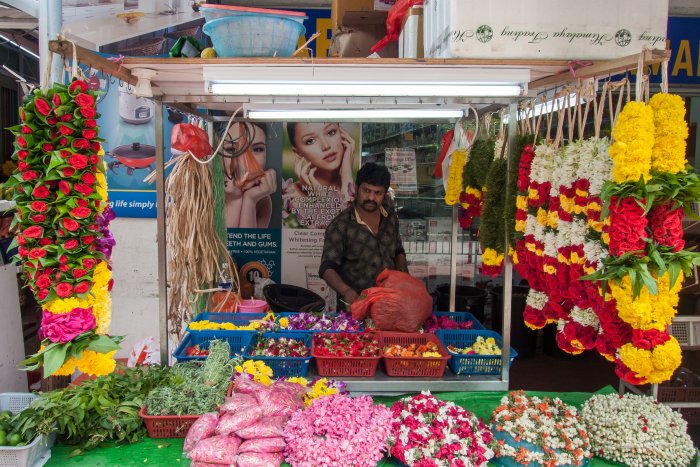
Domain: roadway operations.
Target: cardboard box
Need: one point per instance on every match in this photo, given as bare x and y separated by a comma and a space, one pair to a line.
543, 29
356, 41
411, 37
355, 12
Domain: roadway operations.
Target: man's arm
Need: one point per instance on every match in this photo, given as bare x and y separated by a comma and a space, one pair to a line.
401, 263
333, 279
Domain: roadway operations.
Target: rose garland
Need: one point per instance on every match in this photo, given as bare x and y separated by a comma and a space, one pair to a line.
63, 217
426, 431
636, 431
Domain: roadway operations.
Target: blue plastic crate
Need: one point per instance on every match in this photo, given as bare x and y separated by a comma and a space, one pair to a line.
284, 366
228, 317
472, 364
308, 331
238, 341
461, 317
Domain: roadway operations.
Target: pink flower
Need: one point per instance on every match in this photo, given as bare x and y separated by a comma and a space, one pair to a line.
64, 327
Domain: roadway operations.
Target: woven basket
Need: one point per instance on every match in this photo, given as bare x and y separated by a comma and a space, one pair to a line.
192, 31
147, 47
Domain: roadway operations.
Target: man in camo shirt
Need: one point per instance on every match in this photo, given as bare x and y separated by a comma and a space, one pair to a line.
362, 240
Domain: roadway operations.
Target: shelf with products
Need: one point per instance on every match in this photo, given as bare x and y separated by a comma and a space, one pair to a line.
378, 133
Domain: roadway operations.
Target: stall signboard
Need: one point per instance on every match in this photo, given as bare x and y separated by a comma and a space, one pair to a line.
319, 160
401, 162
319, 20
542, 29
684, 43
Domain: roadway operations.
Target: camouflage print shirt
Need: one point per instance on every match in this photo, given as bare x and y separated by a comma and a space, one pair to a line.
355, 253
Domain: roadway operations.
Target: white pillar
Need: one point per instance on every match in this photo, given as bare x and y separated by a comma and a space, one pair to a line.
50, 22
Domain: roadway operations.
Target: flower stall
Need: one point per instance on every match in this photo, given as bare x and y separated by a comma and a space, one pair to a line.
549, 212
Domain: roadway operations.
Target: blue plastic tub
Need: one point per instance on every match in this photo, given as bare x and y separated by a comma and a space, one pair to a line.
228, 317
461, 317
472, 364
284, 366
254, 35
238, 341
212, 12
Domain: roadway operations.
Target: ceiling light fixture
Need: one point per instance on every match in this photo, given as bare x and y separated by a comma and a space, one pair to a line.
294, 114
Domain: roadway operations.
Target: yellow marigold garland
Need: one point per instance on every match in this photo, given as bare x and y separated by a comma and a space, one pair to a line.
648, 311
454, 178
633, 138
656, 365
671, 132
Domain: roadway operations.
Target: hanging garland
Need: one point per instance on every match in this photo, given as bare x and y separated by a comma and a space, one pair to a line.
63, 218
475, 171
492, 230
454, 178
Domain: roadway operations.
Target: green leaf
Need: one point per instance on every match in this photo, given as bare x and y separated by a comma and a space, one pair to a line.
103, 344
54, 358
674, 271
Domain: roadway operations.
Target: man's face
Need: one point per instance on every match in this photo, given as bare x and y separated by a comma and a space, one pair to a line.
369, 197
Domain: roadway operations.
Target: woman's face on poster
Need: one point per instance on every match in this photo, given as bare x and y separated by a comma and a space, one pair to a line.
319, 143
237, 135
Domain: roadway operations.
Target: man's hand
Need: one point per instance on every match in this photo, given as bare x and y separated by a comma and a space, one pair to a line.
350, 296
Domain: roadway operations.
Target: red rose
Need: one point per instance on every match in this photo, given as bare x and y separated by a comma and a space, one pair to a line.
82, 287
77, 86
22, 115
64, 289
110, 284
81, 143
62, 268
85, 190
90, 123
95, 146
22, 154
38, 218
47, 147
51, 120
88, 178
23, 252
89, 133
63, 141
94, 159
63, 259
65, 154
36, 253
78, 273
80, 213
26, 130
83, 203
71, 244
22, 166
78, 161
88, 112
39, 206
65, 131
43, 281
22, 142
33, 232
84, 100
70, 225
29, 175
42, 106
61, 232
40, 191
64, 186
88, 239
68, 171
66, 117
45, 241
89, 263
42, 294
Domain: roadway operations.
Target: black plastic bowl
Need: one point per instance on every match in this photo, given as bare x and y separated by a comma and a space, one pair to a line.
290, 298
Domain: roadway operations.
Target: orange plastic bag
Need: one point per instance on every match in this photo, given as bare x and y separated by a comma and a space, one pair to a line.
393, 23
187, 137
399, 303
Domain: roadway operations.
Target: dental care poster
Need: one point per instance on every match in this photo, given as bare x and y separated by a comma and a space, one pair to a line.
318, 172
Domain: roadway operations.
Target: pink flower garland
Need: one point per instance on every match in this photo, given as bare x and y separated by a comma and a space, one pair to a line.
338, 430
64, 327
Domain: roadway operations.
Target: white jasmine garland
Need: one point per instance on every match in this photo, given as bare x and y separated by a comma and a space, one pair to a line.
595, 251
596, 164
536, 300
543, 163
637, 431
585, 317
550, 244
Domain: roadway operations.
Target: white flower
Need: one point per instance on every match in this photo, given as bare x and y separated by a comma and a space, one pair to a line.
585, 317
536, 300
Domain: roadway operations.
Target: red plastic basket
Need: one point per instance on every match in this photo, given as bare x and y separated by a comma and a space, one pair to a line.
167, 426
345, 366
432, 367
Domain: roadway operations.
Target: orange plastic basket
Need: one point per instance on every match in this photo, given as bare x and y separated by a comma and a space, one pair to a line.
345, 366
432, 367
167, 426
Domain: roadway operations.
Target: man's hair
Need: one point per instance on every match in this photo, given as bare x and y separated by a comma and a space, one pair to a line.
373, 174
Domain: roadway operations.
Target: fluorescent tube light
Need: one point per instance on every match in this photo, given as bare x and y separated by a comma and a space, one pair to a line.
19, 46
364, 89
352, 114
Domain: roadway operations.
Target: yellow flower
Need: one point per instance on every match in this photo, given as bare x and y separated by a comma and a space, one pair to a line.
553, 219
284, 322
532, 193
258, 370
656, 365
491, 257
298, 380
68, 367
96, 363
541, 216
549, 269
566, 203
582, 193
521, 202
530, 247
520, 226
606, 238
454, 177
101, 189
671, 132
647, 311
593, 206
514, 256
633, 138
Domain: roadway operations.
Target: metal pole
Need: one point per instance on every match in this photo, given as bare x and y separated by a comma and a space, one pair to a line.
50, 22
160, 235
453, 257
508, 266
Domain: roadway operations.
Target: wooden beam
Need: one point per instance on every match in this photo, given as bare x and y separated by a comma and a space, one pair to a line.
65, 48
601, 68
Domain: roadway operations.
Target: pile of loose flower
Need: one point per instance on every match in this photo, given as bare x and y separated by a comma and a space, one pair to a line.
636, 431
63, 217
320, 322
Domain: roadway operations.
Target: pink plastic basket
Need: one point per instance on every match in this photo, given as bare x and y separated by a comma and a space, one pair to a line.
252, 305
